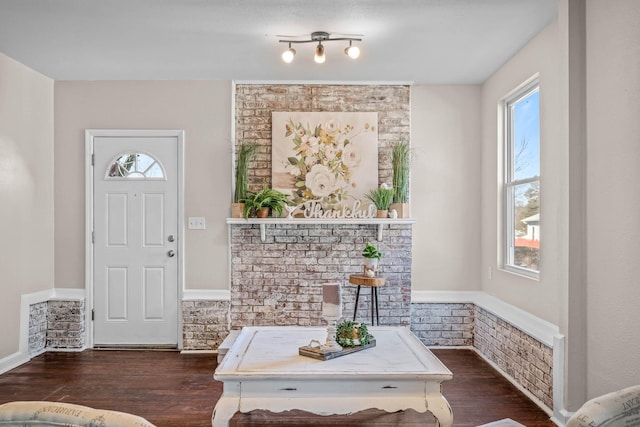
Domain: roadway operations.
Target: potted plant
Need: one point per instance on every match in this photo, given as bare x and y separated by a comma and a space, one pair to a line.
381, 197
351, 334
244, 155
371, 257
400, 160
261, 202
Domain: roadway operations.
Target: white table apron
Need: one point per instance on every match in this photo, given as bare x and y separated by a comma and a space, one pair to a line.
263, 370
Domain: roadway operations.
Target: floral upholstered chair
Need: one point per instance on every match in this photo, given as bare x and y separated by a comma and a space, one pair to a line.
49, 414
620, 408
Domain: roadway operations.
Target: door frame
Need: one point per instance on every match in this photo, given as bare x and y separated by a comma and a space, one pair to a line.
90, 134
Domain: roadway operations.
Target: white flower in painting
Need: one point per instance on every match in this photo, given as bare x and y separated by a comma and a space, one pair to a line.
330, 152
332, 126
350, 156
314, 144
320, 181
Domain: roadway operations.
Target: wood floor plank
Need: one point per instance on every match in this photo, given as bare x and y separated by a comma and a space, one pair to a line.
178, 390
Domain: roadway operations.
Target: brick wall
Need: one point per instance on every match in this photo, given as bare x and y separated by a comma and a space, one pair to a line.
443, 324
256, 102
525, 359
205, 324
65, 324
37, 328
278, 282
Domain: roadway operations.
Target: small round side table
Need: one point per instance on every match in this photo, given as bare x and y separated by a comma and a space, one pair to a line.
374, 283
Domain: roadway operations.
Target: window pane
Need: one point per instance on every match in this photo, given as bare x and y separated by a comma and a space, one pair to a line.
526, 226
135, 166
154, 171
526, 136
144, 161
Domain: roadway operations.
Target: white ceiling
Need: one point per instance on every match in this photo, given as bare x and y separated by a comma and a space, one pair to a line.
422, 41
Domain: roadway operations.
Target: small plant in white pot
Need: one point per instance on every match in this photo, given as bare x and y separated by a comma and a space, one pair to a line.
371, 259
381, 197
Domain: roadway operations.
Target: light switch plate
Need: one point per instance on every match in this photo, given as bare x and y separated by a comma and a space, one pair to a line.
197, 223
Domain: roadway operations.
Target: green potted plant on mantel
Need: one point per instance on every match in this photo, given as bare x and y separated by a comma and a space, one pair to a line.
401, 160
258, 204
351, 334
371, 259
381, 197
244, 155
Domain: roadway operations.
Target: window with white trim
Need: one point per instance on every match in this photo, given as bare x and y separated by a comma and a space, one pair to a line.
135, 166
522, 181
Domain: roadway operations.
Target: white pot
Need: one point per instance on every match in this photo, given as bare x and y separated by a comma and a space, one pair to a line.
371, 266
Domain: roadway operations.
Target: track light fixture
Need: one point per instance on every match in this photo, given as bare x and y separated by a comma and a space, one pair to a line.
287, 55
319, 56
352, 51
320, 37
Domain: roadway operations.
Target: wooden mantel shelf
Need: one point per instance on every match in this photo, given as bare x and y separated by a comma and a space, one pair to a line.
373, 221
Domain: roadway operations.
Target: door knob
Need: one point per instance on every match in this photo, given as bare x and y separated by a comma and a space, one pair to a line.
171, 238
171, 254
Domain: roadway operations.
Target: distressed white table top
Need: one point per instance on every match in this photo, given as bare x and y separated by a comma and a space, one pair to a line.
261, 352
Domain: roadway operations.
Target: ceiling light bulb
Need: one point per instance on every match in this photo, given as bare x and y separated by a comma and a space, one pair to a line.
287, 55
352, 51
319, 57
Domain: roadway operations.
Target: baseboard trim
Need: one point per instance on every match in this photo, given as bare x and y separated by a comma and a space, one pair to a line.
561, 417
12, 361
65, 350
68, 294
206, 294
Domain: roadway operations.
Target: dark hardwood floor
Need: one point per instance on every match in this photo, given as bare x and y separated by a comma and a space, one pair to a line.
178, 390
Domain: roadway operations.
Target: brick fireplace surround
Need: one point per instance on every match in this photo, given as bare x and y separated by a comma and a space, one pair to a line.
277, 282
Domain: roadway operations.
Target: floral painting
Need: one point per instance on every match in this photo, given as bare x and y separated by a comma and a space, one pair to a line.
331, 158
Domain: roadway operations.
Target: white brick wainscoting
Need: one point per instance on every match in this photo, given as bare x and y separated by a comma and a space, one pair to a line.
205, 324
443, 324
278, 282
527, 350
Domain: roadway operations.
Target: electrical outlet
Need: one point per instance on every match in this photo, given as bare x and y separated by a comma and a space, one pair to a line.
197, 223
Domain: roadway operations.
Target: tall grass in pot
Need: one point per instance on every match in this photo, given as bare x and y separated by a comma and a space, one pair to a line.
244, 155
401, 162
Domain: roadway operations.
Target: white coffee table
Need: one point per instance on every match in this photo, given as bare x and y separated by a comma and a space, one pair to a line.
263, 370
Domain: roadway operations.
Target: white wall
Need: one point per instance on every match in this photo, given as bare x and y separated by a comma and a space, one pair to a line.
202, 109
445, 189
26, 192
542, 298
613, 194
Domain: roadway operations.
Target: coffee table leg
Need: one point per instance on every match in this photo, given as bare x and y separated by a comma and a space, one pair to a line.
224, 410
439, 407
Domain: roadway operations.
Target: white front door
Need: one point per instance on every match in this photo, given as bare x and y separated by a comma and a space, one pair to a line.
135, 212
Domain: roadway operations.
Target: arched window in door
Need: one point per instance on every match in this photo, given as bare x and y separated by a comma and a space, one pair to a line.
135, 166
